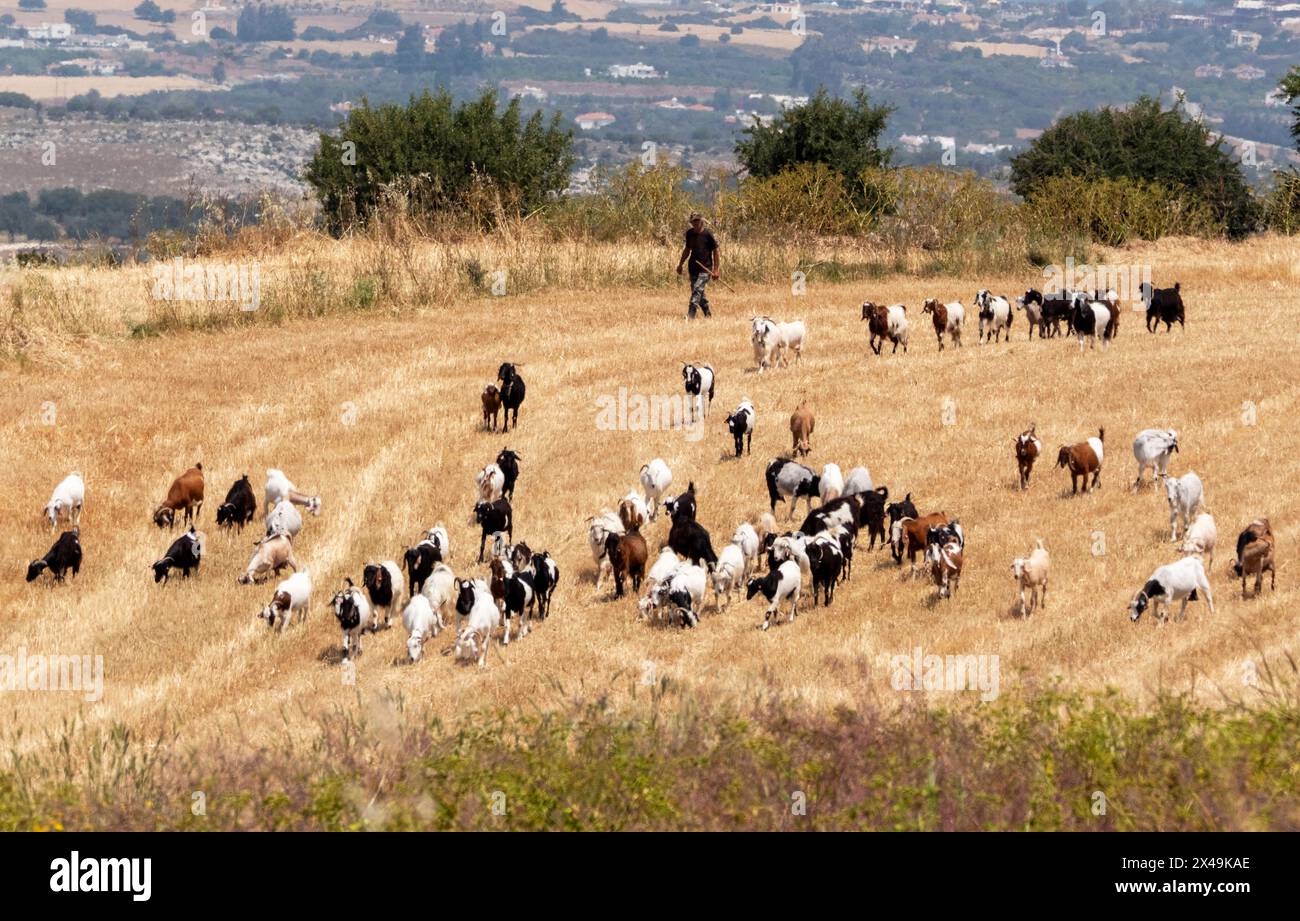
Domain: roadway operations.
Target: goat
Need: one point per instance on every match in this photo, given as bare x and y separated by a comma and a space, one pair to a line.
355, 616
491, 398
240, 506
632, 511
508, 462
655, 479
830, 484
185, 494
994, 315
1033, 313
1051, 311
788, 480
948, 318
627, 555
66, 501
1255, 547
272, 554
1090, 320
1031, 573
185, 553
386, 588
599, 528
683, 504
857, 481
489, 482
778, 586
291, 598
766, 340
897, 511
279, 488
910, 536
885, 323
741, 425
689, 539
944, 545
664, 566
1181, 581
698, 381
1152, 448
1082, 459
729, 574
1185, 495
684, 592
65, 554
1164, 305
477, 617
420, 559
826, 564
512, 394
1028, 447
871, 515
284, 519
802, 423
520, 598
546, 575
493, 518
1200, 537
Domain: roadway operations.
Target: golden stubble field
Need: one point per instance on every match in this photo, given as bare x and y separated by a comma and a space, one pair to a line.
380, 416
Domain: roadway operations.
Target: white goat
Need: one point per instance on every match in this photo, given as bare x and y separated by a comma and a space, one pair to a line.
272, 555
747, 539
599, 528
353, 612
780, 585
490, 481
477, 617
1151, 448
1185, 495
831, 484
858, 481
655, 480
284, 519
659, 573
728, 574
766, 341
793, 336
421, 620
1179, 581
279, 487
292, 596
66, 500
1031, 573
1200, 537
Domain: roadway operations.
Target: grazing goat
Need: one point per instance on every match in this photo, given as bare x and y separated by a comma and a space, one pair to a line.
787, 480
948, 318
910, 536
439, 593
491, 406
1185, 495
1255, 556
664, 566
1179, 581
477, 617
741, 425
421, 621
508, 461
1031, 573
240, 506
655, 479
272, 554
1200, 537
778, 586
802, 423
512, 394
1152, 448
493, 518
279, 488
292, 597
386, 588
627, 557
185, 494
355, 616
599, 529
698, 381
830, 485
1082, 459
1028, 447
995, 316
65, 554
66, 501
885, 323
284, 519
858, 481
185, 553
1164, 305
943, 552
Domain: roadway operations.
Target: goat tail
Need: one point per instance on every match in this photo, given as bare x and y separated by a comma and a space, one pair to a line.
1101, 434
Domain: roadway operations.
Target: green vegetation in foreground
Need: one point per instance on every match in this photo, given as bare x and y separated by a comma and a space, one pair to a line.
1047, 760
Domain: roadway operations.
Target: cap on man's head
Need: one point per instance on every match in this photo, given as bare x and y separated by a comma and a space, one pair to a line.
696, 216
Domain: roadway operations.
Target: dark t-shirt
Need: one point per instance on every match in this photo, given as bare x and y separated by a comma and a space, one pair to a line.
701, 244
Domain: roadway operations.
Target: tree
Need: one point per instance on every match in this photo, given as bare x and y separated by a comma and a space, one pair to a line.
1290, 88
410, 55
443, 152
843, 134
149, 11
264, 23
81, 20
31, 4
1143, 142
219, 72
458, 49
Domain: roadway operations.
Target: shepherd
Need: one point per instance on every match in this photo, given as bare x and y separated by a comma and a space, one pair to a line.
702, 250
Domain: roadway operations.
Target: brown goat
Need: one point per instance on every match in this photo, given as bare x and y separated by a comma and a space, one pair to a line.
1255, 547
1028, 448
910, 536
185, 493
802, 422
1083, 459
627, 556
491, 406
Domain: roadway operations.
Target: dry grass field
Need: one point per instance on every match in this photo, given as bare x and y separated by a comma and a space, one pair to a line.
379, 415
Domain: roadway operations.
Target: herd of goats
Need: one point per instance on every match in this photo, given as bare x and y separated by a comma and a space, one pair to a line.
759, 559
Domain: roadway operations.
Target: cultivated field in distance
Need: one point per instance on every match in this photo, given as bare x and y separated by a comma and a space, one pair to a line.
379, 415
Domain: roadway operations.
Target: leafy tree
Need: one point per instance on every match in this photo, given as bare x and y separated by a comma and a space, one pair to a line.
81, 20
1290, 87
31, 4
264, 23
1142, 142
411, 56
457, 50
843, 134
443, 148
149, 11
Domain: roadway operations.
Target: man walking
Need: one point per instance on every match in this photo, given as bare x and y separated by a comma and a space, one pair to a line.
702, 251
